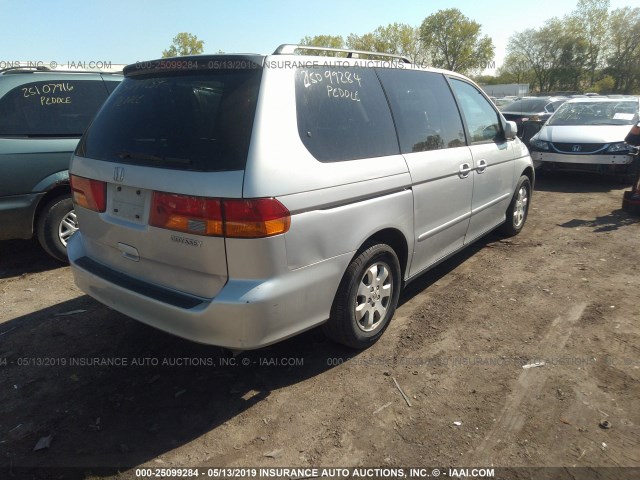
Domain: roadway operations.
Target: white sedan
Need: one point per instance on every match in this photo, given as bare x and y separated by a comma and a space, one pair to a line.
587, 134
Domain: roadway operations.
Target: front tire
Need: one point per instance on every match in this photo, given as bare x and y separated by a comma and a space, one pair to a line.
56, 223
366, 299
518, 208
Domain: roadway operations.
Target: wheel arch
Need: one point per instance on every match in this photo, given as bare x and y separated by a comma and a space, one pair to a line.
396, 240
530, 172
60, 190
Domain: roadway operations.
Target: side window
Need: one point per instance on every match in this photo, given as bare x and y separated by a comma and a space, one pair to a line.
51, 108
425, 112
343, 114
482, 120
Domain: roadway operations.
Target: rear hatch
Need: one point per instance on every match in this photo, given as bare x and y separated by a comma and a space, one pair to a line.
153, 172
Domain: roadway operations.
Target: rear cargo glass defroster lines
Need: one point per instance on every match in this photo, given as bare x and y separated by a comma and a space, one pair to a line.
195, 121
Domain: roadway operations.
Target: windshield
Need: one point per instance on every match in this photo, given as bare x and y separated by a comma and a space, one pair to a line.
596, 113
195, 121
526, 105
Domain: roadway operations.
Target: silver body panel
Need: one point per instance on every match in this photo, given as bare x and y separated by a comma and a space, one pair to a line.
442, 203
493, 183
253, 292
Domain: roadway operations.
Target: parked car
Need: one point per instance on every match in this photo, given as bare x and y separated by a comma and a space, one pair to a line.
537, 109
43, 113
587, 134
501, 102
237, 200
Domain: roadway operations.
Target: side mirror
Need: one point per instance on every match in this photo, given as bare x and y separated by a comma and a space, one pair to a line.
510, 130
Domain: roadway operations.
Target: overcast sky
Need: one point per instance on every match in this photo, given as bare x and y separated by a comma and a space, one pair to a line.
126, 31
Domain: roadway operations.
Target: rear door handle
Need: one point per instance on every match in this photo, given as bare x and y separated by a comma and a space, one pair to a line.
129, 252
465, 170
482, 166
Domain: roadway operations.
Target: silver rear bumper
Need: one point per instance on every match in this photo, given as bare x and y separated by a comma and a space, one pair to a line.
246, 314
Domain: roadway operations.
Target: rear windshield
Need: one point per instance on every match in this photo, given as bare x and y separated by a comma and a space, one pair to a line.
529, 105
196, 121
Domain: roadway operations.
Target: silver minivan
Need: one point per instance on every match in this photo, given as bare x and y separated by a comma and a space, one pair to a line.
237, 200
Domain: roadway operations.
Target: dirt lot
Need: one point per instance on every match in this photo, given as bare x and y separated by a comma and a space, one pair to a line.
564, 292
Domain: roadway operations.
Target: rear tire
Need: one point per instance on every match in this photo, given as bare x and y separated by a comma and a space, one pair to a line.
518, 208
56, 224
366, 298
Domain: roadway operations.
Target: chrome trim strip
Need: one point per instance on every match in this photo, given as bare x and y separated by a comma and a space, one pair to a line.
450, 223
490, 204
443, 227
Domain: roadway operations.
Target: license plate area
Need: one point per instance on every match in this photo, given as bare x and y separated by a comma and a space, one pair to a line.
128, 203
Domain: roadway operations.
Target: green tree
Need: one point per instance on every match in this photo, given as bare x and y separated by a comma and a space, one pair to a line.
330, 41
395, 38
573, 55
542, 50
515, 69
624, 49
184, 44
605, 85
487, 80
591, 19
454, 42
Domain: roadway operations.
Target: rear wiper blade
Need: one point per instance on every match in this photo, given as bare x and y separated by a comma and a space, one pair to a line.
140, 156
184, 161
153, 158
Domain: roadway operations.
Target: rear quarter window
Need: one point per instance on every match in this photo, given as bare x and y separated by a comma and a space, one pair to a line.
424, 109
188, 121
51, 108
343, 114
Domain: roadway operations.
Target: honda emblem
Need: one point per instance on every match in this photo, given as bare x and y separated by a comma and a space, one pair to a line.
576, 148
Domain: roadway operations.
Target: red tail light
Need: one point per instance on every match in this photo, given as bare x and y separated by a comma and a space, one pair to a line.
87, 193
197, 215
256, 218
262, 217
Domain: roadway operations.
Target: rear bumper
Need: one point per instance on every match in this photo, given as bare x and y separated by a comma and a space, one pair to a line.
246, 314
